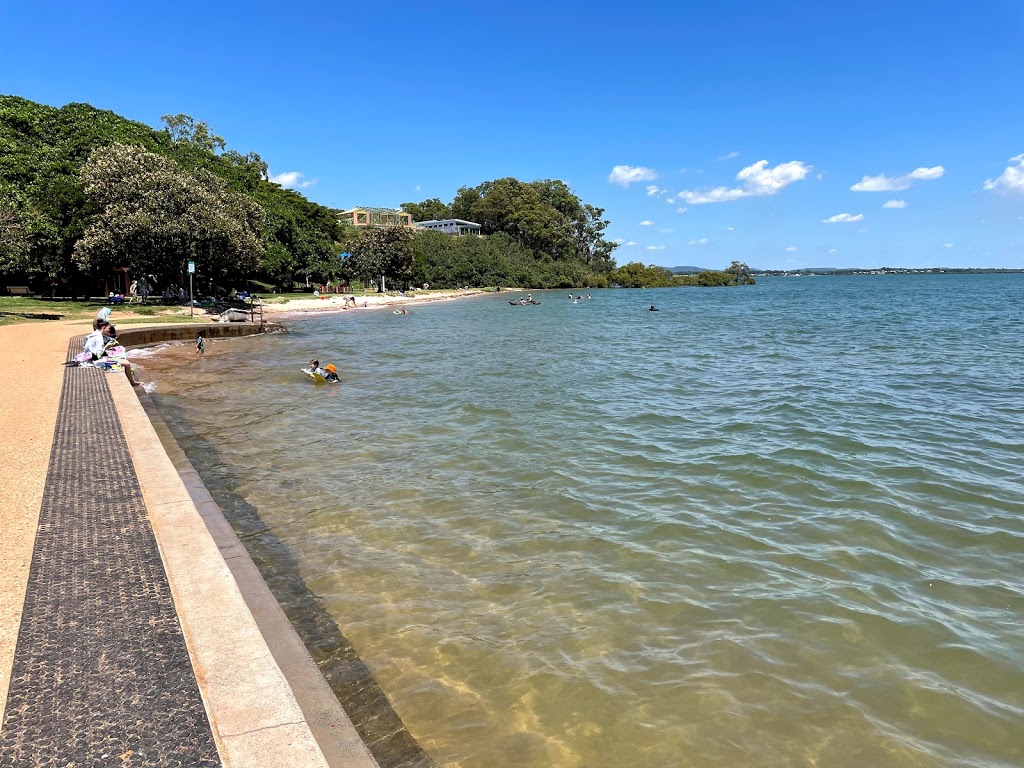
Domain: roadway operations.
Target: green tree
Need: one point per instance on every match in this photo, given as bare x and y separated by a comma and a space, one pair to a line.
14, 237
384, 252
740, 273
184, 130
152, 216
429, 210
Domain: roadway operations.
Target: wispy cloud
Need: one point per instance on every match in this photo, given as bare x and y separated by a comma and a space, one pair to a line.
628, 174
832, 251
682, 209
631, 242
756, 180
671, 201
895, 204
654, 189
646, 223
654, 248
883, 183
293, 180
419, 187
947, 245
665, 230
702, 241
791, 249
1012, 179
728, 156
842, 218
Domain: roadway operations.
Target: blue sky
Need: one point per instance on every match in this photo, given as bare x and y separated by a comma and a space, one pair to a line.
771, 132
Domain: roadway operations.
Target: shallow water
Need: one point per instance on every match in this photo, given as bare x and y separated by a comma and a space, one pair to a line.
771, 526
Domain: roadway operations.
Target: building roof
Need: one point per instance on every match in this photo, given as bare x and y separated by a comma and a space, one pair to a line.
371, 209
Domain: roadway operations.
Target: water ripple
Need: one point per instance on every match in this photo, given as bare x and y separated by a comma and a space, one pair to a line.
771, 527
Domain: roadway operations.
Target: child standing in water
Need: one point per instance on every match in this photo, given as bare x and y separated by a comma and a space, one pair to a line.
200, 343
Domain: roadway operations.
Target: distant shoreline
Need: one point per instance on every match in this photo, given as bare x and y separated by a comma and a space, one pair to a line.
829, 272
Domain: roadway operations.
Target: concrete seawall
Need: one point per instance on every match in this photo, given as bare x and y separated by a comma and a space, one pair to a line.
141, 336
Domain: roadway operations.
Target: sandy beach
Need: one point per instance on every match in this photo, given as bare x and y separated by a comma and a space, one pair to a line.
333, 302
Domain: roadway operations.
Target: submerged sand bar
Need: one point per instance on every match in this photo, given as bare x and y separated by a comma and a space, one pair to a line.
124, 596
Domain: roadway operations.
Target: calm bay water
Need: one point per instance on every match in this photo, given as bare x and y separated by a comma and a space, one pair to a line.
771, 526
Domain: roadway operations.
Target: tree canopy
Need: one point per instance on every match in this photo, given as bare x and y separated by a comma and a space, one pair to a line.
66, 210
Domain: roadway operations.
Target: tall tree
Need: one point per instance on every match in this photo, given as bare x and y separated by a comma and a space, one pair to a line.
184, 130
385, 253
152, 216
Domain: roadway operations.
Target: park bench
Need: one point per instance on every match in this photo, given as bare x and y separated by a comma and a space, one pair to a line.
19, 290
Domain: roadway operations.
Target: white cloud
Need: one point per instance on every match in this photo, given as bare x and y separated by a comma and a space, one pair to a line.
646, 223
631, 242
832, 251
619, 240
653, 190
293, 180
947, 245
666, 230
895, 204
655, 248
862, 231
627, 174
730, 229
682, 210
842, 218
883, 183
702, 241
419, 187
1012, 179
671, 201
791, 249
728, 156
757, 180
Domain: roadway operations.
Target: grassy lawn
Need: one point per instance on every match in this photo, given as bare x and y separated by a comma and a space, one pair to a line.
86, 310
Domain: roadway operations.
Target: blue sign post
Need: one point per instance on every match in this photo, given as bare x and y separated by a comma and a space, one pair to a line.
191, 300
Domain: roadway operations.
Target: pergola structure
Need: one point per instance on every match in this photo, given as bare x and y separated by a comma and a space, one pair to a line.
375, 217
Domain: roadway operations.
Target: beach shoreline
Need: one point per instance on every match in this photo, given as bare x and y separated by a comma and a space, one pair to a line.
332, 303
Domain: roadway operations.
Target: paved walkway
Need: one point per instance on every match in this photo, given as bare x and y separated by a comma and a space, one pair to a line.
101, 673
